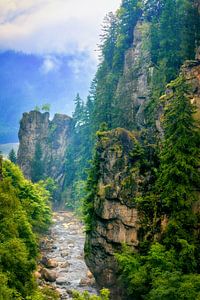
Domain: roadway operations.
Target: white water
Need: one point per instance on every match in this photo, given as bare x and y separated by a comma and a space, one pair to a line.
65, 245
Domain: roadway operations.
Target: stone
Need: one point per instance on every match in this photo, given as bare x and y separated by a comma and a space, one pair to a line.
85, 282
89, 275
37, 275
64, 253
116, 218
197, 57
134, 84
52, 263
69, 292
54, 247
61, 281
49, 262
48, 275
64, 264
53, 136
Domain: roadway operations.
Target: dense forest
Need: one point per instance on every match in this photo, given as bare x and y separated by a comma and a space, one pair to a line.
171, 34
25, 214
134, 147
166, 263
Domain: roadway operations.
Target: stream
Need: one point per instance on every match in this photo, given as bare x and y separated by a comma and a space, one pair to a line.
62, 264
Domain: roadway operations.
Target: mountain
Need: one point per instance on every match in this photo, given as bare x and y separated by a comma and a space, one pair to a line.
132, 161
28, 80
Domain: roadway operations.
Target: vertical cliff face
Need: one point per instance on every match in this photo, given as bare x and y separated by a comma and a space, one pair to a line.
33, 129
120, 181
133, 91
116, 220
191, 72
53, 138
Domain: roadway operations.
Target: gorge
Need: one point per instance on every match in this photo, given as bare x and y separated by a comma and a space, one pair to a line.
128, 160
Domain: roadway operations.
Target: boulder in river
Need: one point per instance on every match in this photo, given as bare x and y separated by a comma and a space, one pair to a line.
61, 280
49, 263
49, 275
64, 264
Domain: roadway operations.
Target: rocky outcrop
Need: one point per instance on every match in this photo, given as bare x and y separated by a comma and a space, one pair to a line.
115, 215
191, 72
53, 138
120, 181
134, 84
116, 218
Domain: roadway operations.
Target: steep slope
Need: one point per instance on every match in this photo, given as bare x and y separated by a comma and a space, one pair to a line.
113, 217
114, 214
49, 138
134, 83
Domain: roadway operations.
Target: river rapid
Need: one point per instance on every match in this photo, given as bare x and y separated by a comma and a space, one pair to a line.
62, 264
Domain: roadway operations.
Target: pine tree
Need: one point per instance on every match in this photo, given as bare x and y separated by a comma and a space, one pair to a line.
37, 165
78, 112
108, 38
168, 258
179, 157
128, 15
12, 156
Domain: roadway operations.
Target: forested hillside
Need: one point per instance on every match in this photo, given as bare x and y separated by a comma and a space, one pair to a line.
128, 161
24, 215
142, 49
144, 192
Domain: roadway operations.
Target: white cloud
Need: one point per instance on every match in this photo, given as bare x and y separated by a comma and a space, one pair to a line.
50, 63
52, 26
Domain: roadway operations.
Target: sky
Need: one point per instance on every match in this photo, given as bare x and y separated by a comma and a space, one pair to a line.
53, 26
48, 54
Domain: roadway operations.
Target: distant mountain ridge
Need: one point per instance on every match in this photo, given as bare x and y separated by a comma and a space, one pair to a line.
27, 80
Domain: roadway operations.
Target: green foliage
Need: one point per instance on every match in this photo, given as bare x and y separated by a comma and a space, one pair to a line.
174, 35
12, 156
79, 152
51, 186
37, 108
91, 189
6, 293
100, 107
46, 107
157, 275
33, 197
116, 38
128, 15
164, 269
179, 167
37, 165
23, 214
104, 295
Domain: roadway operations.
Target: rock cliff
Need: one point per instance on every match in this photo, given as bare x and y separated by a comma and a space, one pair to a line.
52, 136
114, 208
134, 84
120, 180
191, 72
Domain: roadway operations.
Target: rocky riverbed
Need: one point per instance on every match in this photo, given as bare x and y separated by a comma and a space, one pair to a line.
62, 264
